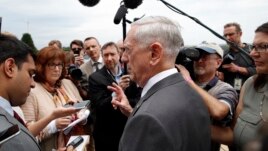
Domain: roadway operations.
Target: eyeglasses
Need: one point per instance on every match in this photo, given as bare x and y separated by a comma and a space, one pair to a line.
52, 66
260, 48
76, 49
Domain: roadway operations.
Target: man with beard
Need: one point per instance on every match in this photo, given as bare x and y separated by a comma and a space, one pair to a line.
220, 97
109, 123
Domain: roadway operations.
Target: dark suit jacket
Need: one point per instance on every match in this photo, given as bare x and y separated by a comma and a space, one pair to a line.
170, 117
109, 123
24, 141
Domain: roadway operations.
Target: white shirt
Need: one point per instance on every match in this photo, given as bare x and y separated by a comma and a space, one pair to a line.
100, 63
156, 78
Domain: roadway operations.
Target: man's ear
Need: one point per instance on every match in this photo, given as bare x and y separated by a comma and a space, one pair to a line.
219, 62
156, 52
240, 34
9, 67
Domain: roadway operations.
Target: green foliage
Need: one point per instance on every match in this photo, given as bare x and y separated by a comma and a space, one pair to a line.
27, 38
66, 48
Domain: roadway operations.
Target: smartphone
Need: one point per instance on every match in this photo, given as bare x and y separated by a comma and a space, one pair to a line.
78, 105
9, 133
76, 142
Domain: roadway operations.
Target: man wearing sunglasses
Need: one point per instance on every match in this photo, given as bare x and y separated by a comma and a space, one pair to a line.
76, 47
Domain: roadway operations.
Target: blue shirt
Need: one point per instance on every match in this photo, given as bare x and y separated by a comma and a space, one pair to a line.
5, 104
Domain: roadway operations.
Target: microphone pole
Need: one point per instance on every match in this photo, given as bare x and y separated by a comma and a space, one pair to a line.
124, 26
200, 23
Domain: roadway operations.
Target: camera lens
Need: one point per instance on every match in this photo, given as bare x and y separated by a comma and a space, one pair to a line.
75, 72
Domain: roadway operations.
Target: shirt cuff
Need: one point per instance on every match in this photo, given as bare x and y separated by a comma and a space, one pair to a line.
51, 127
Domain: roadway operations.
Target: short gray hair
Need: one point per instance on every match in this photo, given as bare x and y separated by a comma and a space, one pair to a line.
161, 29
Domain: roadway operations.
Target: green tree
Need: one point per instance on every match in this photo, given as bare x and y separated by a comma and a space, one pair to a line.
66, 48
27, 38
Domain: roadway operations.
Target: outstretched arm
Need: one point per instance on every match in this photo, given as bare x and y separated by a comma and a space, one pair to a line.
36, 127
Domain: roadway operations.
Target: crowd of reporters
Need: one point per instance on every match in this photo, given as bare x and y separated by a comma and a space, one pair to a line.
229, 83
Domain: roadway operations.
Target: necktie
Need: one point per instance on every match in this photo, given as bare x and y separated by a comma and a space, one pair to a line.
16, 116
95, 64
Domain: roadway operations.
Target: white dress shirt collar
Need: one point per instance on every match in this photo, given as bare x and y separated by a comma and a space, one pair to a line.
153, 80
100, 61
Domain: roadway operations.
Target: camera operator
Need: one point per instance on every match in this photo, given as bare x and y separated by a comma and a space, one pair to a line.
219, 97
75, 74
242, 67
75, 60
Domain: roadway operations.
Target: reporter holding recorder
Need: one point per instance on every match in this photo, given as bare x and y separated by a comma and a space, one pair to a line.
51, 92
17, 70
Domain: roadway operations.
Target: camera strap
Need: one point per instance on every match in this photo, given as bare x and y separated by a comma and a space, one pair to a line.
245, 54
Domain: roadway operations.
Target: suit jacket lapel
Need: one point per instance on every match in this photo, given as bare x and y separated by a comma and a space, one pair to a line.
105, 72
12, 120
172, 79
88, 68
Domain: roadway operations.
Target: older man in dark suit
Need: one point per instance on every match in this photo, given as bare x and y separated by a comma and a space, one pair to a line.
170, 115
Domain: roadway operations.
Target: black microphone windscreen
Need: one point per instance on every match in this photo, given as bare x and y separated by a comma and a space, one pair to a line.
132, 3
121, 12
89, 3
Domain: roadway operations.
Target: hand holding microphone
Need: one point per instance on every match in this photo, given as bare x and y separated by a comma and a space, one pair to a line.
124, 81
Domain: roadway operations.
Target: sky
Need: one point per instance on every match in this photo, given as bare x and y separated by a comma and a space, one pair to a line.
66, 20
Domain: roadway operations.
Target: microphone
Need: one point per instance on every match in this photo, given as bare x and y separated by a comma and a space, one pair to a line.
89, 3
132, 4
121, 12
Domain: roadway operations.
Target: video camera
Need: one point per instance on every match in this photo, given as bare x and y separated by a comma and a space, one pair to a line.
186, 57
75, 72
227, 59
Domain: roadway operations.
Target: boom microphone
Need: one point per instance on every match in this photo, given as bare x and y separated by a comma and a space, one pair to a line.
89, 3
121, 12
132, 4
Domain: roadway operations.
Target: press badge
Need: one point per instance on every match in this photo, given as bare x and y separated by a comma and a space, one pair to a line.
237, 83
